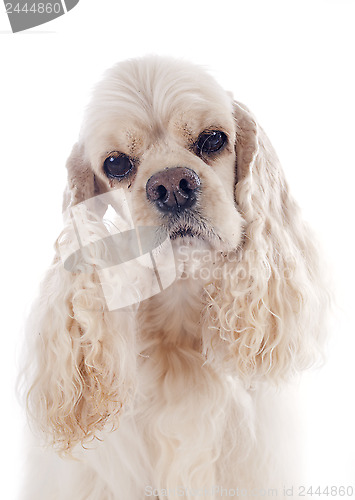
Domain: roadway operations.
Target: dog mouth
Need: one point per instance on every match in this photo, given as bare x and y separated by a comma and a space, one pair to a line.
184, 232
189, 226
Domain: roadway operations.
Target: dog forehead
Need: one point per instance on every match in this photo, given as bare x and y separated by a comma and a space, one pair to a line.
151, 93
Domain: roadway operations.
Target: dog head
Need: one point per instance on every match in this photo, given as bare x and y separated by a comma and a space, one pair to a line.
166, 132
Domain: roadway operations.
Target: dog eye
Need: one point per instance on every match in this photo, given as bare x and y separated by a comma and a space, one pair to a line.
117, 165
211, 142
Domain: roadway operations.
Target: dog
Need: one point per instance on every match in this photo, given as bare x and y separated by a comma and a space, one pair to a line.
167, 371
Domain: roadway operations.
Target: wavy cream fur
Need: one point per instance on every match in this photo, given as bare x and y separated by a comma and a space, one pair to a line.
188, 388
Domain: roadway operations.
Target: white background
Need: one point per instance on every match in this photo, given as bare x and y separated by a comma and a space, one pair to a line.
291, 62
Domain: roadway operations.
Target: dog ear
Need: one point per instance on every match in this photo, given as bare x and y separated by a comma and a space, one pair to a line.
82, 182
276, 300
246, 143
81, 357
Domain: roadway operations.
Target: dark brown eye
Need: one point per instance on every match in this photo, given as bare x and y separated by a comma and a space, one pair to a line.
210, 142
117, 165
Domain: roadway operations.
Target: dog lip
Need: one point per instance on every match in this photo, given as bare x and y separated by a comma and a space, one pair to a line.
189, 225
183, 232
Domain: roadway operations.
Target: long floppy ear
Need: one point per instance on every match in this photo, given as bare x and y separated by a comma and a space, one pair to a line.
81, 359
273, 306
82, 183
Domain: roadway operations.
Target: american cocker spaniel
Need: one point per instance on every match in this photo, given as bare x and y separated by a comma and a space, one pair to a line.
184, 296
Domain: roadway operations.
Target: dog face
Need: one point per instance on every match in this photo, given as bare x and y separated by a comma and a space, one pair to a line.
166, 132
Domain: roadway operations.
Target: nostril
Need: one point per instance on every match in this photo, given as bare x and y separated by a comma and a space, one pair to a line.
161, 192
184, 185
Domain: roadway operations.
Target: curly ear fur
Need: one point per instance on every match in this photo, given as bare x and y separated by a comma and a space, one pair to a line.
77, 386
273, 322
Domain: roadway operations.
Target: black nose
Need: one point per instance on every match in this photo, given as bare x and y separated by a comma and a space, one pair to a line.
173, 189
